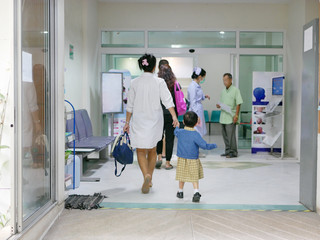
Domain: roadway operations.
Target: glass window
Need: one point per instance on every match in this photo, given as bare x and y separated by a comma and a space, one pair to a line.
261, 39
36, 106
192, 39
129, 63
122, 39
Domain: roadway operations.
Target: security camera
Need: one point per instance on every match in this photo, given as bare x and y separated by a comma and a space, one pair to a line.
191, 50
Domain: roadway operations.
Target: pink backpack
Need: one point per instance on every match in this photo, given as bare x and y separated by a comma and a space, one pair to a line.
180, 102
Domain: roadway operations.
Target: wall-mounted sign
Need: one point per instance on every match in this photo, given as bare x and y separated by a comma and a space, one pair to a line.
308, 39
71, 51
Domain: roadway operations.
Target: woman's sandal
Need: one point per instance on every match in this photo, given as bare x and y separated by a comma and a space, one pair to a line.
158, 164
169, 167
146, 184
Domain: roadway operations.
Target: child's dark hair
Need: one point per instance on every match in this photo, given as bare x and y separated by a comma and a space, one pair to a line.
198, 72
190, 119
147, 62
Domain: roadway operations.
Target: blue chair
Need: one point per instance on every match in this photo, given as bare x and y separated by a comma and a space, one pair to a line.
207, 120
246, 123
215, 116
206, 116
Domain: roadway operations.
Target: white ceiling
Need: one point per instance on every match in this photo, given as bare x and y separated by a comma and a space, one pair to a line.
199, 1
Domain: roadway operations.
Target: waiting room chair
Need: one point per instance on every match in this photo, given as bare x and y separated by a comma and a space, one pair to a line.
246, 123
206, 116
215, 118
207, 119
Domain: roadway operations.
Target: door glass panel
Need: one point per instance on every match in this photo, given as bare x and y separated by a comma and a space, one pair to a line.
122, 39
217, 39
261, 39
247, 65
121, 62
36, 123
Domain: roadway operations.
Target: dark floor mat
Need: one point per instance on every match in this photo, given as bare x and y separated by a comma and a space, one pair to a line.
83, 202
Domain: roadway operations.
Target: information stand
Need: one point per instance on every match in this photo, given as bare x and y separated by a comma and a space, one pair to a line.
268, 112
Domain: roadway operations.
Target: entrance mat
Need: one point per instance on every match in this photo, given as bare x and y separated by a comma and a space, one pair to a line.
207, 207
82, 202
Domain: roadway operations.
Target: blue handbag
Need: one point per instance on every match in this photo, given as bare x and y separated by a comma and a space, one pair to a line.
122, 152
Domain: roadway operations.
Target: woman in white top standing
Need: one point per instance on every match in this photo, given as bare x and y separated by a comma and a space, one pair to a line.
146, 115
196, 96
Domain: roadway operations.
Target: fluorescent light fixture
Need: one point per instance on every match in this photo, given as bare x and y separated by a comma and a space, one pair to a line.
176, 46
222, 32
45, 32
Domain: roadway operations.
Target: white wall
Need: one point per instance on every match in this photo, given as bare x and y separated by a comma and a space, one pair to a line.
91, 61
215, 65
82, 79
192, 16
296, 21
299, 13
74, 68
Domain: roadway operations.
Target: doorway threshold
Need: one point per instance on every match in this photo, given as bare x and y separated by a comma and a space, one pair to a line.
206, 207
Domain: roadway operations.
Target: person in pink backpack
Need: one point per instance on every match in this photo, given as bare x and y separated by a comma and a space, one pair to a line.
166, 73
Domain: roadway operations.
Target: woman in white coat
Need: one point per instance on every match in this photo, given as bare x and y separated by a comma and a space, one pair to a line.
196, 96
146, 115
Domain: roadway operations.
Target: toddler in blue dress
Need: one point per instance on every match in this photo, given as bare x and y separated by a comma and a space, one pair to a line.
189, 168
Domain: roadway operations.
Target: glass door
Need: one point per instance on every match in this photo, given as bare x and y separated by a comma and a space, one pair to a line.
35, 112
247, 65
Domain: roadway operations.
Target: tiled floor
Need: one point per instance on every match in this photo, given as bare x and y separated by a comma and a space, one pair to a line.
256, 182
184, 225
249, 179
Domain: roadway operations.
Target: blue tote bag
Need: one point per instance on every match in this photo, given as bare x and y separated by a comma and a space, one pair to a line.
122, 152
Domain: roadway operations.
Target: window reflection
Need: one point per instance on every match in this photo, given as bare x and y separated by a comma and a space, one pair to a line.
35, 105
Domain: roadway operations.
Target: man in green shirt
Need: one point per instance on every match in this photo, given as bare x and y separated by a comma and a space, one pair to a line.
230, 102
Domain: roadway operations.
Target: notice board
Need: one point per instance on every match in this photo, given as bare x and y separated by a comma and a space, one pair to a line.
112, 92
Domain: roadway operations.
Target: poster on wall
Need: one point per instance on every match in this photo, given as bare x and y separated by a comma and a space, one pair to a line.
112, 89
120, 118
267, 109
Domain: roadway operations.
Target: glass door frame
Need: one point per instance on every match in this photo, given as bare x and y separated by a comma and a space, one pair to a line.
175, 52
236, 58
18, 225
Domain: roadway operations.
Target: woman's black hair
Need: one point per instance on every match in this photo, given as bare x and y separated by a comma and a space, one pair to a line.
202, 74
190, 119
147, 62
